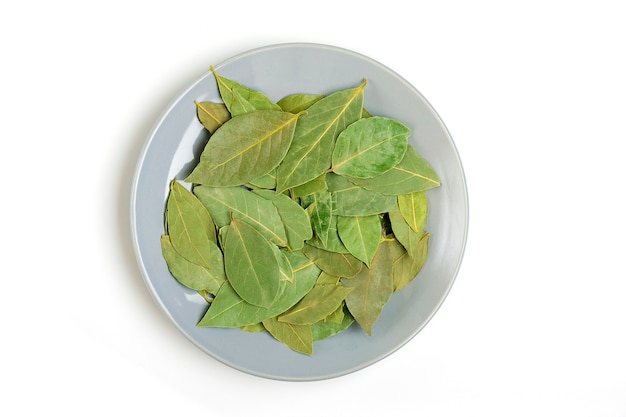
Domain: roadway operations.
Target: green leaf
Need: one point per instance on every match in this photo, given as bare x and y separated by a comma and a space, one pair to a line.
254, 209
326, 278
252, 266
360, 235
406, 267
403, 232
295, 219
190, 226
297, 337
353, 200
325, 329
333, 263
334, 243
191, 275
295, 103
318, 303
310, 187
265, 182
414, 209
371, 289
412, 174
320, 207
245, 148
230, 310
212, 115
370, 147
310, 153
240, 99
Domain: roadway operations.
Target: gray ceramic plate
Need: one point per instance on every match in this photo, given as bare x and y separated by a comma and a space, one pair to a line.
176, 141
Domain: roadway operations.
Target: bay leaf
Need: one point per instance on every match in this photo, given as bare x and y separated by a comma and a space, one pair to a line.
333, 263
353, 200
371, 289
327, 279
317, 304
297, 337
414, 209
295, 103
337, 315
265, 182
406, 267
295, 219
221, 202
230, 310
403, 232
253, 328
360, 235
191, 275
370, 147
412, 174
310, 153
190, 226
245, 148
212, 115
240, 99
325, 329
334, 243
310, 187
320, 207
252, 266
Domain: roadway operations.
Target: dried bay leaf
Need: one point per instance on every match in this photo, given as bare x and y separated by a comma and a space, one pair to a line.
191, 275
320, 207
353, 200
190, 226
252, 265
406, 267
334, 243
297, 337
317, 304
360, 235
371, 289
265, 182
254, 209
325, 329
403, 232
240, 99
370, 147
230, 310
310, 187
414, 209
295, 103
412, 174
212, 115
310, 153
295, 219
333, 263
245, 148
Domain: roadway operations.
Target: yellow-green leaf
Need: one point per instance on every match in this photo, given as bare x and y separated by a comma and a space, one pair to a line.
212, 115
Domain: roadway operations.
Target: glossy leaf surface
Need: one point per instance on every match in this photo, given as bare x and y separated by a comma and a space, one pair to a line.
370, 147
245, 148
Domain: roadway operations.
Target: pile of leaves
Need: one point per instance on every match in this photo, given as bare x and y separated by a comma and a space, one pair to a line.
302, 215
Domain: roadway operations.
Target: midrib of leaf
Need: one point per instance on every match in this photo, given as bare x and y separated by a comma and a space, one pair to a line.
186, 229
357, 154
305, 266
293, 330
415, 174
257, 143
208, 113
332, 124
247, 252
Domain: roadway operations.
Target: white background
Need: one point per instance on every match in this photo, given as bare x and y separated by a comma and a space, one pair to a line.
534, 95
